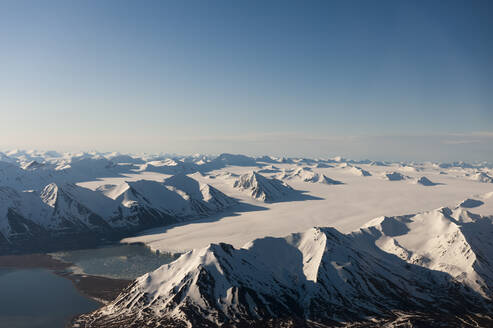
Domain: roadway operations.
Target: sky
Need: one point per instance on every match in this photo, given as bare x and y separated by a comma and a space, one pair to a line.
393, 80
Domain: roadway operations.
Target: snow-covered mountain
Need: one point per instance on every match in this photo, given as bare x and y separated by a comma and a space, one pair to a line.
204, 199
425, 182
30, 218
358, 171
482, 177
169, 166
36, 221
394, 176
262, 188
74, 207
322, 178
454, 241
306, 174
432, 268
225, 160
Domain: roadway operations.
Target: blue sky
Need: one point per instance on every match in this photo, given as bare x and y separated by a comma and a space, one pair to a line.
380, 79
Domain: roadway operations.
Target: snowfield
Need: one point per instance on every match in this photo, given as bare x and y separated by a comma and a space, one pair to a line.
192, 201
345, 207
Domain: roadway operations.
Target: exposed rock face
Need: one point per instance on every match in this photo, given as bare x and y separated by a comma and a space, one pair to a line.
394, 176
425, 182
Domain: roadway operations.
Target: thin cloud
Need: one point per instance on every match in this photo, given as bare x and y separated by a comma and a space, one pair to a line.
460, 142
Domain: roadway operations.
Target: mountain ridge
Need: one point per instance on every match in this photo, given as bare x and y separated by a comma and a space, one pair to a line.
319, 277
29, 219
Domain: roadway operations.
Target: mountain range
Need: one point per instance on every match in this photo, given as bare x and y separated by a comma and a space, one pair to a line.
428, 269
67, 215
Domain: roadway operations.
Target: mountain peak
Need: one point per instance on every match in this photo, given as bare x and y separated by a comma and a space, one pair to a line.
444, 239
319, 275
262, 188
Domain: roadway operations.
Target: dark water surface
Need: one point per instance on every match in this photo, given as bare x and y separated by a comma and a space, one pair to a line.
121, 261
37, 298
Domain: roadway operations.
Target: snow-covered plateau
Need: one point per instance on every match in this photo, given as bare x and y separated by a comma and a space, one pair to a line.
267, 241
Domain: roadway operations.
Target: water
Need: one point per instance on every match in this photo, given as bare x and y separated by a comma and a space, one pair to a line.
123, 261
37, 298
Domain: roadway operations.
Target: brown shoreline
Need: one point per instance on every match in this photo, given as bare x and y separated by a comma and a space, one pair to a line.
100, 289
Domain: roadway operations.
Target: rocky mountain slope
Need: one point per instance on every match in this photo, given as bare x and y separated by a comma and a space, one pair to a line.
428, 269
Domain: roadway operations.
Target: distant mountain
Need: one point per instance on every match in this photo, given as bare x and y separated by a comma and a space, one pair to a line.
169, 166
204, 198
429, 269
152, 198
32, 165
378, 163
225, 160
306, 174
326, 180
269, 169
425, 182
267, 159
123, 158
262, 188
482, 177
5, 158
179, 197
394, 176
236, 160
29, 177
456, 164
358, 171
471, 203
322, 165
